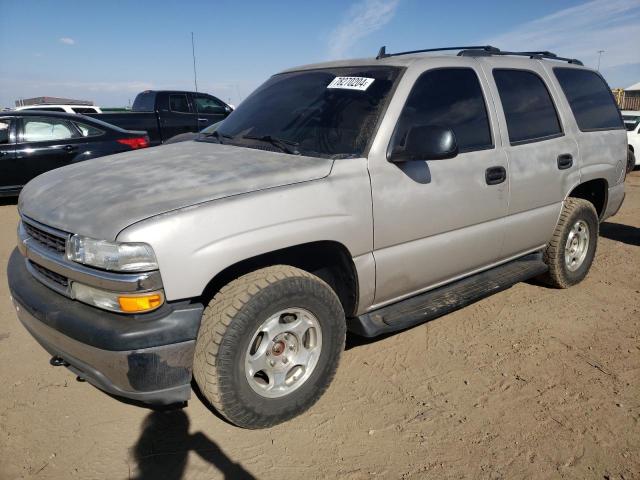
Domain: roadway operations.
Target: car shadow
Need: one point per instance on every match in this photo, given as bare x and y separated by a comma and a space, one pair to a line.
621, 233
8, 201
164, 445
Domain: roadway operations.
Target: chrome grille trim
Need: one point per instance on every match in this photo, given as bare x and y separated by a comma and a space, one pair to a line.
51, 238
47, 278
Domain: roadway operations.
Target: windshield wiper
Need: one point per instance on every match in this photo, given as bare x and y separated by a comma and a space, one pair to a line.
218, 136
284, 145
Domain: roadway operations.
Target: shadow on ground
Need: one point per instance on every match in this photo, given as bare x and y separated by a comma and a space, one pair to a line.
621, 233
8, 201
165, 443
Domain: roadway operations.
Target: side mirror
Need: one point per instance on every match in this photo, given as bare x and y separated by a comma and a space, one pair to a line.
425, 142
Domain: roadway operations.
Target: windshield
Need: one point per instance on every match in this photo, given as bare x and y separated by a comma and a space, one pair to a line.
631, 121
324, 113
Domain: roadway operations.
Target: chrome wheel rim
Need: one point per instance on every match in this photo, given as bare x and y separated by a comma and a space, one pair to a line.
283, 352
575, 250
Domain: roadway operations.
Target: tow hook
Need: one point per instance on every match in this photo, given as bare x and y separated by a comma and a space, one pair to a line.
58, 362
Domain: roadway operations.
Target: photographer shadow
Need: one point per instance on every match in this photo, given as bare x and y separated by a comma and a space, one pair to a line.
165, 443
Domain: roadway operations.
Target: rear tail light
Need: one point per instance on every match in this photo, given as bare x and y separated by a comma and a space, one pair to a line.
135, 142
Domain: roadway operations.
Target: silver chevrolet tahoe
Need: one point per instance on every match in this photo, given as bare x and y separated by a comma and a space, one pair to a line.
364, 195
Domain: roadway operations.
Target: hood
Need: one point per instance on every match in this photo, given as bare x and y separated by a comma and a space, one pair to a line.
101, 197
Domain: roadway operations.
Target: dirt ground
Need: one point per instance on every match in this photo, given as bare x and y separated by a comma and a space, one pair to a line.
529, 383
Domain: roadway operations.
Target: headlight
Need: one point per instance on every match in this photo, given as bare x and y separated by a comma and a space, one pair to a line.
116, 256
117, 302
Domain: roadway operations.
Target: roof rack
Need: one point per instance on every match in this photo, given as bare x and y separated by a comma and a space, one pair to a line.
482, 51
382, 53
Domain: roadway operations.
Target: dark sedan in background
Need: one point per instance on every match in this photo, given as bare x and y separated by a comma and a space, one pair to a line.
33, 142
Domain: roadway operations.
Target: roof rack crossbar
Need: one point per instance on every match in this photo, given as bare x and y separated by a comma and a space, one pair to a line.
382, 53
481, 51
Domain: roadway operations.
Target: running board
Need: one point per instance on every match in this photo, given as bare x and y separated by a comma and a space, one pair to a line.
440, 301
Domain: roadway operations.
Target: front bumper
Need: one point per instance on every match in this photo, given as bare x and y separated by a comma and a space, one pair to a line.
147, 358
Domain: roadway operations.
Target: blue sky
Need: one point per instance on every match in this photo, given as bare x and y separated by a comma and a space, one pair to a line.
109, 51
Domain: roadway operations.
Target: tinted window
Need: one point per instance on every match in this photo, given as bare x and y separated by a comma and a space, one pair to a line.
47, 109
209, 105
527, 105
590, 99
317, 110
631, 121
179, 103
38, 129
5, 126
144, 102
88, 130
84, 110
448, 98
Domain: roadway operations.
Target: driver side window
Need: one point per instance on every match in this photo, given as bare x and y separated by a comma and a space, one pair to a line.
450, 98
40, 129
209, 105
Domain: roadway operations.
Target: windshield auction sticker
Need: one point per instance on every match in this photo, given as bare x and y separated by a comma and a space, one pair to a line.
351, 83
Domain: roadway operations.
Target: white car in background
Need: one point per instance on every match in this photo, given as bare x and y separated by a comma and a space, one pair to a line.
632, 122
45, 107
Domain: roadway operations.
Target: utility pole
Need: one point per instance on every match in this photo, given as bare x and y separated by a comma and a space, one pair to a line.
193, 52
600, 52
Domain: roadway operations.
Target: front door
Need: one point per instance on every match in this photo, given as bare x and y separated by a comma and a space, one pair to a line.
436, 220
7, 155
44, 143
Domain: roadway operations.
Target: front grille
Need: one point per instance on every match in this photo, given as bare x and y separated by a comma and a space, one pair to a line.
49, 275
57, 243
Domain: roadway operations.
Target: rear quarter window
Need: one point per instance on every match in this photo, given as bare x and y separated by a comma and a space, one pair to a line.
590, 99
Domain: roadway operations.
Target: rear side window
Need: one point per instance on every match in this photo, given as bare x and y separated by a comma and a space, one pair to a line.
84, 110
179, 103
5, 128
590, 99
47, 109
528, 108
452, 98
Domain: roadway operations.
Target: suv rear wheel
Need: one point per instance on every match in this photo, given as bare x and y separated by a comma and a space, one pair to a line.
269, 345
570, 253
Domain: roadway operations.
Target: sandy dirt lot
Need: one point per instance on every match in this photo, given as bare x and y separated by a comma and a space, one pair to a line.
529, 383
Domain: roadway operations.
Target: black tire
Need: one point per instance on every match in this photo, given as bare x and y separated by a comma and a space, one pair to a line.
228, 325
631, 161
559, 274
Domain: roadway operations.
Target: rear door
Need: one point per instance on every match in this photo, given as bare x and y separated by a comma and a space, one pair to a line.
7, 153
436, 220
177, 114
543, 160
210, 110
44, 143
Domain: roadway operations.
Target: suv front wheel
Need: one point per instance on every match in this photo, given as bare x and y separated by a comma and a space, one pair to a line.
572, 248
269, 345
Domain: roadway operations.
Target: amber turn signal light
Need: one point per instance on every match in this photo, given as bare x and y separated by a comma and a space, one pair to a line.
140, 303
